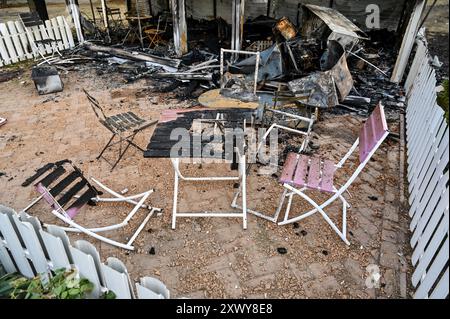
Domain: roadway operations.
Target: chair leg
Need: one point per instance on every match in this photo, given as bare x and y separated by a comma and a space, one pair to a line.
106, 146
121, 154
175, 194
342, 234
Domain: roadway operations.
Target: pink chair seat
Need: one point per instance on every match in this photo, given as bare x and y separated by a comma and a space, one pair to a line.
306, 171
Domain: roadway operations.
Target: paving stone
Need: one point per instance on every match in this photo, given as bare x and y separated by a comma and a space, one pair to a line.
354, 270
389, 279
259, 280
230, 282
388, 255
325, 287
267, 266
318, 270
389, 235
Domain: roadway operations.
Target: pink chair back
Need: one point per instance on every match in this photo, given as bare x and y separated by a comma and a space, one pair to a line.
372, 133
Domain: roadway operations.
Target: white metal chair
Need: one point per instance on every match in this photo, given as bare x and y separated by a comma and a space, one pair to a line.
66, 190
302, 173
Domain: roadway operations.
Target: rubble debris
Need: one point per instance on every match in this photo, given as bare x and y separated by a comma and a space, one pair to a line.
318, 19
46, 79
271, 65
282, 250
9, 75
285, 27
184, 76
136, 56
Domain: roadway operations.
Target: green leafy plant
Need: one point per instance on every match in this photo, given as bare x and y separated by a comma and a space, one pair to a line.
63, 284
442, 99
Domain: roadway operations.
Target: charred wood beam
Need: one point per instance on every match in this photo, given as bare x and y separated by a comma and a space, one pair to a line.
179, 27
184, 76
135, 56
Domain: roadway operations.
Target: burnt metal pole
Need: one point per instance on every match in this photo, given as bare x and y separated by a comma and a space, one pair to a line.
139, 23
105, 19
237, 30
179, 27
40, 7
92, 10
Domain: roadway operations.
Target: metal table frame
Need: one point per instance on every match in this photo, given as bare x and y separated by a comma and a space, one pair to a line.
241, 178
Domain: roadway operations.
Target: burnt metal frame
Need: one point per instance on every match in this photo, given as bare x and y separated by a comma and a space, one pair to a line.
241, 178
104, 120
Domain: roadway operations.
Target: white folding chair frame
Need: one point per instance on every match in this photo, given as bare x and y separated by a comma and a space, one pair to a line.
290, 191
60, 213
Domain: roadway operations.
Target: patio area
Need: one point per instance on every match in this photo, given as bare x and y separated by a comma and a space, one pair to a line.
211, 258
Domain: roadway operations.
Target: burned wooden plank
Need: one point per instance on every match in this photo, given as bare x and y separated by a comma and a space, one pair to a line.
135, 56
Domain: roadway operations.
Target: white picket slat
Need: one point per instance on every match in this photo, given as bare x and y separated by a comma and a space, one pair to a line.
63, 32
61, 234
432, 274
9, 46
441, 290
14, 245
57, 33
16, 40
33, 246
89, 249
23, 40
68, 33
5, 259
86, 266
429, 223
117, 282
56, 251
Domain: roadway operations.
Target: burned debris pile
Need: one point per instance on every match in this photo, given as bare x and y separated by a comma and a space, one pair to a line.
328, 63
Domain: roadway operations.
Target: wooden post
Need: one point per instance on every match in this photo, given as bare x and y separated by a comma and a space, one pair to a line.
408, 41
40, 7
105, 19
179, 27
237, 30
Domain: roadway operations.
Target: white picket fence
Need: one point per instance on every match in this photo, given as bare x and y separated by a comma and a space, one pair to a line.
428, 176
15, 41
28, 249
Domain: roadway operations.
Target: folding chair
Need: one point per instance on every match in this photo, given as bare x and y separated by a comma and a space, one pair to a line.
64, 187
32, 20
155, 35
302, 173
124, 125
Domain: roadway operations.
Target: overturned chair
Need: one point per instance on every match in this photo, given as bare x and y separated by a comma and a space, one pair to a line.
66, 190
125, 126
